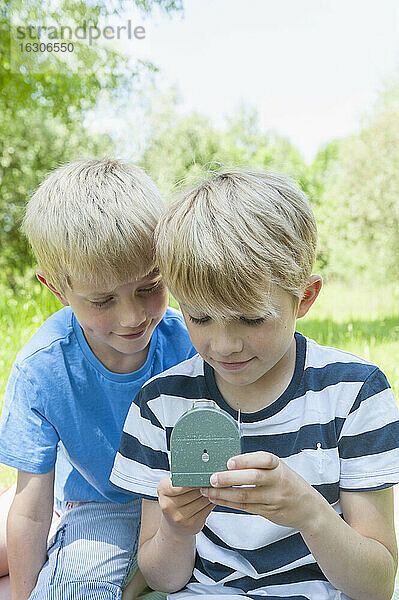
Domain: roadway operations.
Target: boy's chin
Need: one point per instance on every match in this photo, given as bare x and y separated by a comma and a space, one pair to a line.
131, 346
238, 378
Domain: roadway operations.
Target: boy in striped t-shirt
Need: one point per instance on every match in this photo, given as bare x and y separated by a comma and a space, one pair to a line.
320, 428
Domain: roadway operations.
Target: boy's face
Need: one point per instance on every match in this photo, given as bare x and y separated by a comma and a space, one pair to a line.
250, 350
118, 323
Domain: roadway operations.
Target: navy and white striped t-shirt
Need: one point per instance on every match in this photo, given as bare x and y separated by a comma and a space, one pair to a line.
336, 425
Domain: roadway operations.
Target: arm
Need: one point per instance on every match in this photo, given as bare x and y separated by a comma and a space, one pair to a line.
358, 555
155, 551
168, 529
28, 526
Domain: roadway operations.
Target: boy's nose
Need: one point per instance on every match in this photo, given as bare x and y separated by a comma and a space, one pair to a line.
132, 316
224, 345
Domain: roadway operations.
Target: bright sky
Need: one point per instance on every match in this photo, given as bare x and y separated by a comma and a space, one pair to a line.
312, 68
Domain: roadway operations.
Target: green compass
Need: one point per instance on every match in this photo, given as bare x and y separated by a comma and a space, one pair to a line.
202, 441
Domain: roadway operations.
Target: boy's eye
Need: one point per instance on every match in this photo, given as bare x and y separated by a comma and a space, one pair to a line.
152, 289
199, 320
252, 322
100, 303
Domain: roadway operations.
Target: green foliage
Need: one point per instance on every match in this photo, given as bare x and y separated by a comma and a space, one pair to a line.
35, 147
359, 214
63, 87
44, 100
167, 5
180, 147
352, 182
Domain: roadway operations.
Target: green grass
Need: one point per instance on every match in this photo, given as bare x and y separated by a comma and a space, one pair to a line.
362, 321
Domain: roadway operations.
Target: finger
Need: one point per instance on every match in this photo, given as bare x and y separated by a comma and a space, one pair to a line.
254, 460
252, 477
191, 511
246, 495
181, 500
187, 493
206, 511
255, 509
165, 487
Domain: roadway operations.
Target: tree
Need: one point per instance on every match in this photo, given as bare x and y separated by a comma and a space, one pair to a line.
179, 146
360, 208
44, 100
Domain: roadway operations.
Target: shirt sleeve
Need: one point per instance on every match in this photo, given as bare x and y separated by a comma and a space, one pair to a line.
28, 441
142, 459
369, 440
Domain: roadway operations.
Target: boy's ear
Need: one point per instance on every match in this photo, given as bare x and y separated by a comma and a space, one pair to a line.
311, 292
41, 277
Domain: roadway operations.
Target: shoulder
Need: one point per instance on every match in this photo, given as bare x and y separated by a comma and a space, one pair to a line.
182, 380
172, 320
190, 368
39, 371
318, 355
55, 331
165, 397
173, 313
172, 341
343, 377
327, 361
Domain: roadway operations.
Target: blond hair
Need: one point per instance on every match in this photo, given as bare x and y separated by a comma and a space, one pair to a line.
224, 244
93, 220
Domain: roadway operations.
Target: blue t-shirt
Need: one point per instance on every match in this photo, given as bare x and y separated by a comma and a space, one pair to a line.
63, 406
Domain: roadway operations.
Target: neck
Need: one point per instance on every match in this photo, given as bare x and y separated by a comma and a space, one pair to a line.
115, 361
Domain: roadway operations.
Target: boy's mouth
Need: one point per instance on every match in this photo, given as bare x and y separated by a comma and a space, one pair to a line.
234, 366
132, 336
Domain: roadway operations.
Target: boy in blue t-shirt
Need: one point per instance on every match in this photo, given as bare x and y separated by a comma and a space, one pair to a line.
91, 226
319, 426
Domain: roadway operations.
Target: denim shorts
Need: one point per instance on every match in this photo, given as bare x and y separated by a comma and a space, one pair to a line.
92, 554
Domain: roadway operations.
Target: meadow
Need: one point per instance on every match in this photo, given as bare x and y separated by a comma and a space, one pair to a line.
362, 320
